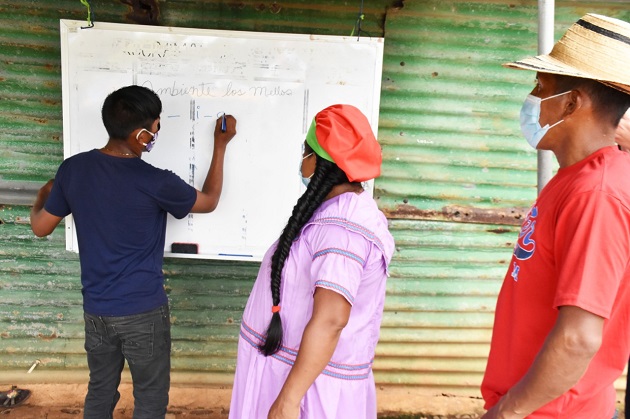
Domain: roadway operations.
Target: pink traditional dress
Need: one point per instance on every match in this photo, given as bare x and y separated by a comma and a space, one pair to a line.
345, 247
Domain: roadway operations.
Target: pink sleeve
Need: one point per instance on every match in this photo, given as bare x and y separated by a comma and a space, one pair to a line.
592, 251
339, 257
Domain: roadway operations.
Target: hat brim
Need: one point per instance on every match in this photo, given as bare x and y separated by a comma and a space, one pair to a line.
595, 47
548, 64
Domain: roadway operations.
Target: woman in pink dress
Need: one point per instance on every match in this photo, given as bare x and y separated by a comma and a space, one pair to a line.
312, 320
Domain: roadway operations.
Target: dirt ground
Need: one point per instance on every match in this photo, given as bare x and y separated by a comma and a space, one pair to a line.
65, 401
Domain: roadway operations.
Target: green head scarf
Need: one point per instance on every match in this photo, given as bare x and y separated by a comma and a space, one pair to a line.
311, 140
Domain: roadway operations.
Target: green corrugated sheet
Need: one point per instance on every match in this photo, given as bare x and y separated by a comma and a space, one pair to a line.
456, 180
449, 111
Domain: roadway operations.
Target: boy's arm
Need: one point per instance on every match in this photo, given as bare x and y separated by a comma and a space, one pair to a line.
42, 222
208, 197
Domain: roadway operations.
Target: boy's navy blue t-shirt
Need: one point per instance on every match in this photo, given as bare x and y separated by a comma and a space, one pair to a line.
119, 206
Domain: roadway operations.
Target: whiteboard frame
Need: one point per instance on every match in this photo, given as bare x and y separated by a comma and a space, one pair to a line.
68, 27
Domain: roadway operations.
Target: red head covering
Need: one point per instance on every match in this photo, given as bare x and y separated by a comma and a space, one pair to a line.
345, 134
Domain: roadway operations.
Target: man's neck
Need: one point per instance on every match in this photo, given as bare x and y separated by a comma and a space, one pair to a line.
582, 144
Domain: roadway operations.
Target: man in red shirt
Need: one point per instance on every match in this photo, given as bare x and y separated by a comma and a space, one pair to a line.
561, 335
622, 138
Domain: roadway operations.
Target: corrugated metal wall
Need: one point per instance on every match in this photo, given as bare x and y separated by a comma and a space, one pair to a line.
40, 298
456, 180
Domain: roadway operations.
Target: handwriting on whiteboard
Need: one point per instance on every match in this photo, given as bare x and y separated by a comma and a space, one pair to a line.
214, 89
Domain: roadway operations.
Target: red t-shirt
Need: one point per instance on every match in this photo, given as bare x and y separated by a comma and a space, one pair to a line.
573, 249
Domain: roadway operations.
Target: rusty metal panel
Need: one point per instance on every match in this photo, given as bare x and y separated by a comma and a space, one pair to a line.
449, 112
452, 147
457, 178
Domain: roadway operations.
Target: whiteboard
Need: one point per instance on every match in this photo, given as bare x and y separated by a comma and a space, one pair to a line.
273, 84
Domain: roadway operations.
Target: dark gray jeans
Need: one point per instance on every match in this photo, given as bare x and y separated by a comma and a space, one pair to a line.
144, 340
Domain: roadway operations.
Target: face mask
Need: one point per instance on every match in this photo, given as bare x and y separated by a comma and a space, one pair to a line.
305, 180
151, 143
530, 119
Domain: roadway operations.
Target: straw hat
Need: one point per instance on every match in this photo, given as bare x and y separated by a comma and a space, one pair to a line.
595, 47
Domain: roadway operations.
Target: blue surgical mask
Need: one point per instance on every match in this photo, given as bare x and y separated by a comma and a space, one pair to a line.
305, 180
530, 119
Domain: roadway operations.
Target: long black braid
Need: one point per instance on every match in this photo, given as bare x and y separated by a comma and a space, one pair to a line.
326, 176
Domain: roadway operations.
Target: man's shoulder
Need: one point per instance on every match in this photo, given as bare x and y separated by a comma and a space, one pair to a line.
605, 175
615, 170
605, 169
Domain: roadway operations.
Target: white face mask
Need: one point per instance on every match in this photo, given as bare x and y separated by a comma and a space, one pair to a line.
530, 119
305, 180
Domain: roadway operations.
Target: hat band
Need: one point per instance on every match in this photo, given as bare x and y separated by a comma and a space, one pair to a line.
603, 31
311, 140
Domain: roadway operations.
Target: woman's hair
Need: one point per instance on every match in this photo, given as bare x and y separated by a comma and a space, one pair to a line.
326, 176
130, 108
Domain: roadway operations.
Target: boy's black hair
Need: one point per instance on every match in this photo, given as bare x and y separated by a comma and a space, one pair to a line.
130, 108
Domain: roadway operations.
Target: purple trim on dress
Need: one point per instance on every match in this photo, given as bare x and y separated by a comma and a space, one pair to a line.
357, 228
288, 355
335, 287
341, 252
